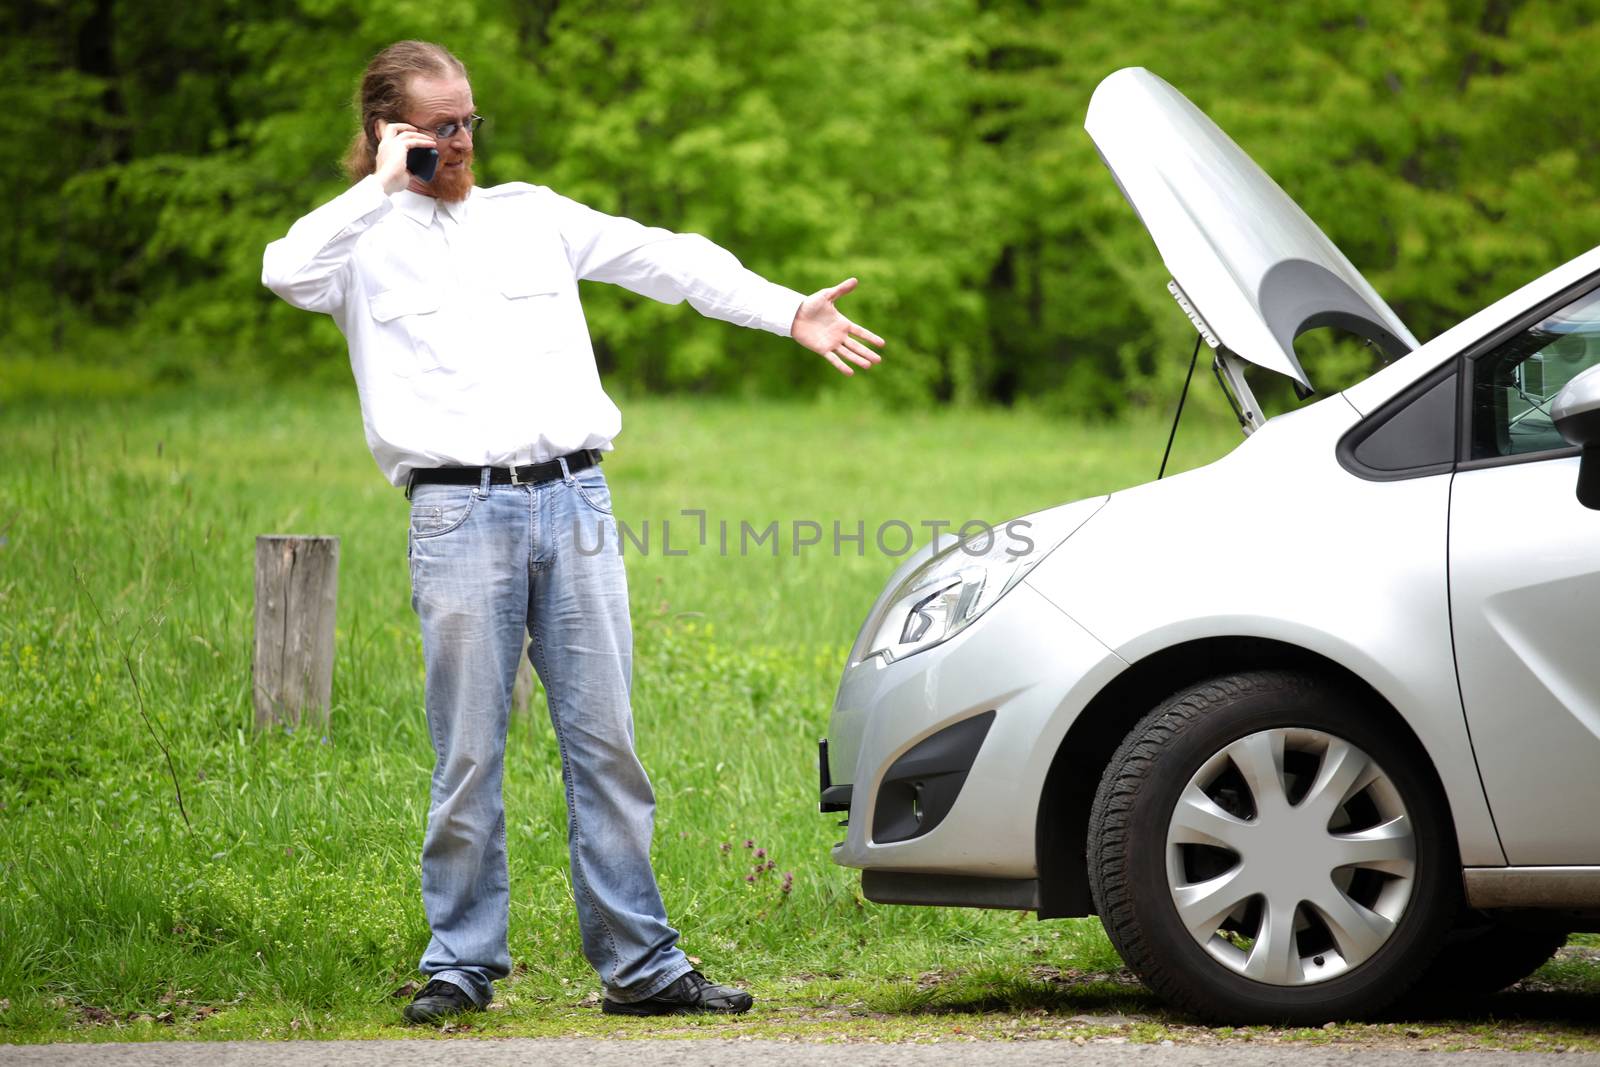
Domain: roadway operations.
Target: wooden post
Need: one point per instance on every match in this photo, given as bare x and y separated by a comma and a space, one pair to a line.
297, 588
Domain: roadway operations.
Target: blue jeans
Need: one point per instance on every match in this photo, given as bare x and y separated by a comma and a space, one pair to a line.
487, 563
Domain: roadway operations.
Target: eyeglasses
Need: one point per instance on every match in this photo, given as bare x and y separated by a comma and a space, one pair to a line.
448, 130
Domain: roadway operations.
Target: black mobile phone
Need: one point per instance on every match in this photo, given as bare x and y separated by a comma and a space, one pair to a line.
422, 162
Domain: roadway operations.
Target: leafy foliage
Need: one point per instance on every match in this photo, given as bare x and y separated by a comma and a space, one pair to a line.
934, 149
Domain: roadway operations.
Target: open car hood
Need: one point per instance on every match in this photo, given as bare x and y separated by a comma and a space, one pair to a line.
1250, 268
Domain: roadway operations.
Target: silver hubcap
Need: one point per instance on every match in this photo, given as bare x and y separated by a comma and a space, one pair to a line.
1290, 856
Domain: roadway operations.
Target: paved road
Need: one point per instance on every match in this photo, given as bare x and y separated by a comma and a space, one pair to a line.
524, 1052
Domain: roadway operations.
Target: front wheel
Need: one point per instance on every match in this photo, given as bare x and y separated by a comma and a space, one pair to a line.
1262, 848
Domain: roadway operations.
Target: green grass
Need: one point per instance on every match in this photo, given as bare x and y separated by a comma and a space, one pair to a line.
291, 905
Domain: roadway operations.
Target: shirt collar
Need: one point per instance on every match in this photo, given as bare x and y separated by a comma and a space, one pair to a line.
457, 209
421, 208
416, 205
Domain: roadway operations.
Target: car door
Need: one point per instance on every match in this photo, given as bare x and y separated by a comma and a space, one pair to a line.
1525, 589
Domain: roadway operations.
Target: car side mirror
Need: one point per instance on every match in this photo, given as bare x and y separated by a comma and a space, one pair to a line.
1576, 413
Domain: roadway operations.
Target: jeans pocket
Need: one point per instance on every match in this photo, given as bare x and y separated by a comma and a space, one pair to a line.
592, 489
438, 509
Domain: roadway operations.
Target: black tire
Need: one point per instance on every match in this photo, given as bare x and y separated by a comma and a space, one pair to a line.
1127, 850
1483, 956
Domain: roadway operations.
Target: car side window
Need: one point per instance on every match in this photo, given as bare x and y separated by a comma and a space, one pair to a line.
1514, 385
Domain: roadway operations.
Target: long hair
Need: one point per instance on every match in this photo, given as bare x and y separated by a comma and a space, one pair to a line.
383, 95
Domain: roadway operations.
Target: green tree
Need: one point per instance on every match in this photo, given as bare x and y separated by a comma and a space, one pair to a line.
934, 148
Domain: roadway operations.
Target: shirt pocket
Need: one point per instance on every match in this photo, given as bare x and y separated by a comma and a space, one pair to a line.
520, 281
414, 311
534, 296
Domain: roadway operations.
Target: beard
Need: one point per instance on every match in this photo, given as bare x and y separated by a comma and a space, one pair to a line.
452, 184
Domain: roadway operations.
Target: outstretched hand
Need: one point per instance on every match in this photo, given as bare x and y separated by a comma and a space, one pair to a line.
819, 326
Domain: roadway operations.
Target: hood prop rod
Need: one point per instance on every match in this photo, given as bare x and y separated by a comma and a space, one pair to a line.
1229, 370
1195, 358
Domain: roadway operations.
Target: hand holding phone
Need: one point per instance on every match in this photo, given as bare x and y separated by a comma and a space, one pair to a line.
404, 152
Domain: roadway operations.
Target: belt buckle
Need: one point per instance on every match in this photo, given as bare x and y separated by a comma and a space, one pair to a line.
513, 470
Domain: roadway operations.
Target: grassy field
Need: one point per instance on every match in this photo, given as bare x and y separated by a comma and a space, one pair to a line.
289, 903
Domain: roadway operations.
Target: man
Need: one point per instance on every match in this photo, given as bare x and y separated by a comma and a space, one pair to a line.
480, 395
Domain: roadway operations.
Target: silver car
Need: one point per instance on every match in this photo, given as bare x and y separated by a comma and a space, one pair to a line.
1310, 727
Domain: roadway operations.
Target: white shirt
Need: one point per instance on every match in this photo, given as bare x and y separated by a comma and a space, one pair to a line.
467, 340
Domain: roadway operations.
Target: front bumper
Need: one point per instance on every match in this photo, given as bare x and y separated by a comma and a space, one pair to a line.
1025, 667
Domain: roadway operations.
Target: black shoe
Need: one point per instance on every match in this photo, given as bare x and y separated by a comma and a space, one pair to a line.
438, 1000
691, 993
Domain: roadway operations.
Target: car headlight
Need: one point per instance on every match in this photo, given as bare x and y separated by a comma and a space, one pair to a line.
946, 593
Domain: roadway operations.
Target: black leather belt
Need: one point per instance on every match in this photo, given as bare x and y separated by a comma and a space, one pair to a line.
548, 471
